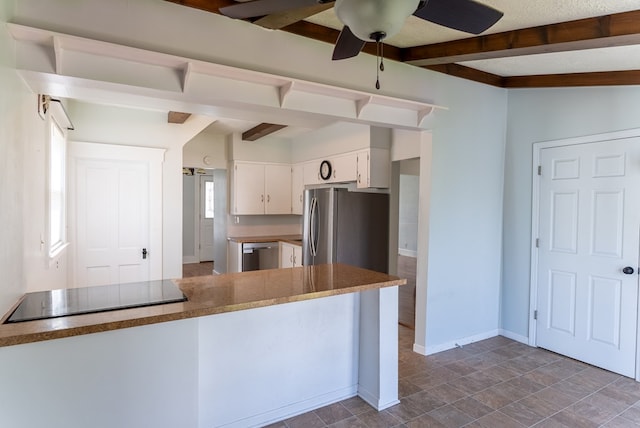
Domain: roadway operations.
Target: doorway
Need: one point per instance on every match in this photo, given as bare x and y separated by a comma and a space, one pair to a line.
197, 215
409, 186
585, 260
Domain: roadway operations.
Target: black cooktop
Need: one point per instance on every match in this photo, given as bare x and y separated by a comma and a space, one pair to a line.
75, 301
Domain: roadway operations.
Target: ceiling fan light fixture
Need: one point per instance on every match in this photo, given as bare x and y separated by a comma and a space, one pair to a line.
368, 18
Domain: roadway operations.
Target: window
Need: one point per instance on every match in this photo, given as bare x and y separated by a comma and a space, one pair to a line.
57, 152
208, 199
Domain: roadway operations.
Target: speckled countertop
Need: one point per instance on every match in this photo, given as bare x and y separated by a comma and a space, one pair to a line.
209, 295
292, 239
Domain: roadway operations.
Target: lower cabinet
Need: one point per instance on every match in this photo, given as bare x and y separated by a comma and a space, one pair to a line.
290, 255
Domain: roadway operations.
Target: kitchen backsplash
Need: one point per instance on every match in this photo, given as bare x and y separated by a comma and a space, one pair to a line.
264, 225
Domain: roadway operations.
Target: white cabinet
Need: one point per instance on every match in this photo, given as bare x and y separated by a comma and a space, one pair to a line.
311, 172
290, 255
345, 168
234, 257
373, 168
258, 188
297, 189
277, 188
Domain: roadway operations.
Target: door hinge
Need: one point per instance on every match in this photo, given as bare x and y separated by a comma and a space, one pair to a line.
535, 314
539, 169
537, 242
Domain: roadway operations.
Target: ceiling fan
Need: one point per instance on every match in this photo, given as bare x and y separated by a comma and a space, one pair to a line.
376, 20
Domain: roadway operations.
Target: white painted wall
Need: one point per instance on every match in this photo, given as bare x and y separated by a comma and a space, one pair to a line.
329, 140
408, 213
220, 220
189, 191
541, 115
209, 144
14, 125
465, 218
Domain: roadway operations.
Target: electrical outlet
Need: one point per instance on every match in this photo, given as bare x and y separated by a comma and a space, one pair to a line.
237, 220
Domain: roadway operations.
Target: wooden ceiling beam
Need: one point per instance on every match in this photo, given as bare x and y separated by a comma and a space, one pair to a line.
177, 117
208, 5
619, 29
260, 131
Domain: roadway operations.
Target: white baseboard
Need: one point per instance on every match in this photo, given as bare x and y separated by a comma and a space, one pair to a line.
294, 409
514, 336
467, 340
454, 344
408, 253
189, 259
374, 401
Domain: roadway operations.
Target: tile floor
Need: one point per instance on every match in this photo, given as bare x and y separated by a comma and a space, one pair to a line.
494, 383
197, 269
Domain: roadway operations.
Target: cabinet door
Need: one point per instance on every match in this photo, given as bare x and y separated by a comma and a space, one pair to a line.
362, 179
277, 184
286, 255
345, 168
248, 189
297, 189
297, 255
311, 172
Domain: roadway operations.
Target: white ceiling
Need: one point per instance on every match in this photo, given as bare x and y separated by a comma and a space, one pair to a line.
518, 15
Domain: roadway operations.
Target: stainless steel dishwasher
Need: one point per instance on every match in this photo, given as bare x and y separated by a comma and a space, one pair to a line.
259, 255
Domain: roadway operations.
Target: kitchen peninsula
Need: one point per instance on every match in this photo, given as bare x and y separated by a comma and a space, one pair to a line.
246, 349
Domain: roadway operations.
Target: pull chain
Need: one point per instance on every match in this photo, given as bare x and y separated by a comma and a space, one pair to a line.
379, 55
379, 65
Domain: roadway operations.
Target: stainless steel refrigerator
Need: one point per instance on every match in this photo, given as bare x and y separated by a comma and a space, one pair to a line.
346, 227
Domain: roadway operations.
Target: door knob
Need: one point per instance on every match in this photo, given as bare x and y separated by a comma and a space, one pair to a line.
628, 270
144, 253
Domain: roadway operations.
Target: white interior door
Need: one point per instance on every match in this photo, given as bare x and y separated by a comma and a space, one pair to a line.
117, 214
206, 218
589, 217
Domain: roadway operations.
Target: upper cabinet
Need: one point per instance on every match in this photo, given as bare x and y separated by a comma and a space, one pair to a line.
297, 189
373, 168
259, 188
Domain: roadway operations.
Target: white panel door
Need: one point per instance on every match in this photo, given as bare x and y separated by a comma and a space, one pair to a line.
588, 225
112, 221
206, 218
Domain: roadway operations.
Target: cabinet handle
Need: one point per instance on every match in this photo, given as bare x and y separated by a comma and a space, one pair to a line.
300, 197
268, 198
291, 258
358, 178
261, 198
334, 173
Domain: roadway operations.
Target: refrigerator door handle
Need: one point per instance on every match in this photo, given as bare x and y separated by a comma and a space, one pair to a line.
312, 226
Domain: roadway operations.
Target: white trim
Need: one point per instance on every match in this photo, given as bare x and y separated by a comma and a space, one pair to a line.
407, 253
294, 409
429, 350
514, 336
535, 215
202, 80
374, 400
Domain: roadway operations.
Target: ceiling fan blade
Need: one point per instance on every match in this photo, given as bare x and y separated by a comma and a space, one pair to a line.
252, 9
347, 45
464, 15
277, 21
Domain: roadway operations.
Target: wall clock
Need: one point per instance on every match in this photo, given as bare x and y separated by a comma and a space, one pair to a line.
325, 170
